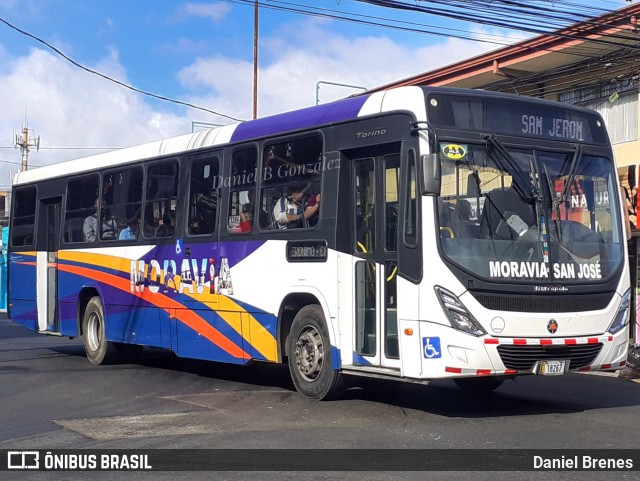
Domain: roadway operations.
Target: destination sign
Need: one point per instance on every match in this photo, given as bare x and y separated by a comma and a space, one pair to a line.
561, 129
528, 118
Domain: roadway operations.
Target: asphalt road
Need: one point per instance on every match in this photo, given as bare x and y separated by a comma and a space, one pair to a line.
52, 398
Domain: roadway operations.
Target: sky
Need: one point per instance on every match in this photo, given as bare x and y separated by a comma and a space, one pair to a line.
197, 52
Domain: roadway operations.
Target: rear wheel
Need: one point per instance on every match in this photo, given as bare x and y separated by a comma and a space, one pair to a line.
479, 384
310, 362
96, 346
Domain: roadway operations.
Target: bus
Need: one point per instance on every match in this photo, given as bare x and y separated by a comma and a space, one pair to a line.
414, 234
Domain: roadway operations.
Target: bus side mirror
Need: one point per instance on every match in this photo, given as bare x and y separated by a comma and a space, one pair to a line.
431, 174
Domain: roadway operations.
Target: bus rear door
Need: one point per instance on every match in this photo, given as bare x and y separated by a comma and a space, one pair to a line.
47, 246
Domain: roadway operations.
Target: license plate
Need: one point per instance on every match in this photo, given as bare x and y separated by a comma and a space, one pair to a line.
551, 368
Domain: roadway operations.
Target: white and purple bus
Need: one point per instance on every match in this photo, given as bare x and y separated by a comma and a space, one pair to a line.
417, 233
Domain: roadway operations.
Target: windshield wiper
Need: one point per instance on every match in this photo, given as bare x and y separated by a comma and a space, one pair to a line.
560, 199
571, 175
534, 177
523, 186
555, 205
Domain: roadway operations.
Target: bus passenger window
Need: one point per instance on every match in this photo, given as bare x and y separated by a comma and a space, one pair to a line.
203, 199
24, 215
121, 204
159, 216
291, 179
82, 208
242, 191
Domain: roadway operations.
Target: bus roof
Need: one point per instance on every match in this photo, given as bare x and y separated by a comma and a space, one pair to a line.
401, 98
310, 117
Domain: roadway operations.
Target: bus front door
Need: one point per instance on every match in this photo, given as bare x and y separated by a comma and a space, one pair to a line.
375, 261
48, 243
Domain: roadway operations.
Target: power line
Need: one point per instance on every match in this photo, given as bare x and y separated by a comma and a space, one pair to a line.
412, 27
340, 15
69, 148
18, 163
509, 18
106, 77
324, 13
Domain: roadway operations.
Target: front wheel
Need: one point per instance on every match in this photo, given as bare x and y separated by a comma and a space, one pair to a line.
96, 346
309, 350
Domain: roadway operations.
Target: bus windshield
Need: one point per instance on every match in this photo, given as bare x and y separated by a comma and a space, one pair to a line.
533, 215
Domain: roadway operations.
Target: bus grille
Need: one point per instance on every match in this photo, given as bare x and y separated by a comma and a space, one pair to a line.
522, 358
564, 303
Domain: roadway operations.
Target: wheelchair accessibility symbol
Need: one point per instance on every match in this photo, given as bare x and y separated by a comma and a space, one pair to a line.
431, 347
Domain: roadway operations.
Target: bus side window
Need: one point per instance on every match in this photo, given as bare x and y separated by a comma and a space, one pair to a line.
286, 165
122, 203
242, 191
80, 208
161, 200
203, 198
24, 215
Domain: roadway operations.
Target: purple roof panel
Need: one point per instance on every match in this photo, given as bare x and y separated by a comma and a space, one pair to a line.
300, 119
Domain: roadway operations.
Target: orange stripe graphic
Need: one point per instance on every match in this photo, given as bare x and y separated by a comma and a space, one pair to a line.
186, 316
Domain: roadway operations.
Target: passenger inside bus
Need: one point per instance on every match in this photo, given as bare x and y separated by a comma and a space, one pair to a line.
288, 212
204, 220
131, 231
165, 229
246, 216
90, 226
313, 202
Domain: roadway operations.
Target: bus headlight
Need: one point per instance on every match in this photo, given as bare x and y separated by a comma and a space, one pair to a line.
621, 318
460, 318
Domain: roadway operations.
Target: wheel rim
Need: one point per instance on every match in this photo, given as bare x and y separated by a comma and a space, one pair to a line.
309, 353
93, 331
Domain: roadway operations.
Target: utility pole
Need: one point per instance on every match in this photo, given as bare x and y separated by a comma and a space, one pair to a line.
255, 60
22, 141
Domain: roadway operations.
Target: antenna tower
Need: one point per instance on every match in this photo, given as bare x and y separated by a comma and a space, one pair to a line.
23, 141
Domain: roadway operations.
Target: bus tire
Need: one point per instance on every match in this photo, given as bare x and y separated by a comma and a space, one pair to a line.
310, 362
97, 348
479, 384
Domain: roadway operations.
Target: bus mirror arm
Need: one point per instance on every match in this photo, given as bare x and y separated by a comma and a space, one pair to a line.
431, 174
